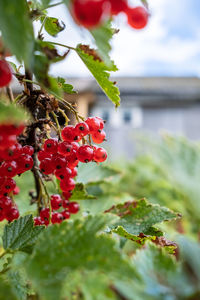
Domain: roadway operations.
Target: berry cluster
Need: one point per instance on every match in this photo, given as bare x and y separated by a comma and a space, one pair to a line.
14, 160
91, 13
61, 159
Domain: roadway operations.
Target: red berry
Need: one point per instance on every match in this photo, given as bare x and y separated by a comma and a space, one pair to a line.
7, 141
88, 13
7, 203
56, 218
75, 146
8, 185
65, 148
12, 152
69, 134
74, 172
73, 207
51, 146
59, 162
67, 185
117, 6
63, 173
100, 155
8, 168
42, 155
38, 221
5, 73
12, 214
46, 166
65, 203
101, 121
16, 190
85, 153
94, 124
44, 215
56, 202
82, 129
72, 161
24, 163
28, 150
137, 17
65, 214
98, 137
67, 195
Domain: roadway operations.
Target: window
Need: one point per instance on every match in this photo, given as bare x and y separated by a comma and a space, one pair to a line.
127, 117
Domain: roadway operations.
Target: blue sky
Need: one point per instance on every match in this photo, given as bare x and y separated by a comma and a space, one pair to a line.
169, 46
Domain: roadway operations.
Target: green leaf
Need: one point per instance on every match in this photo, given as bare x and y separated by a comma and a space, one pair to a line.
72, 246
102, 36
52, 26
93, 173
16, 29
67, 88
138, 217
100, 71
21, 234
80, 193
6, 291
10, 113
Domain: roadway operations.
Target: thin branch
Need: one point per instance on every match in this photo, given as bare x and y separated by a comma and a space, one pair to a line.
41, 28
53, 5
62, 45
10, 94
57, 124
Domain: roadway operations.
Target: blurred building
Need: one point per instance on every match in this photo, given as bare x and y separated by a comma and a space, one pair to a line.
148, 104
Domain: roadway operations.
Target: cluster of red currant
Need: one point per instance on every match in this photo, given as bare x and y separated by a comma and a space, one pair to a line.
62, 158
14, 160
91, 13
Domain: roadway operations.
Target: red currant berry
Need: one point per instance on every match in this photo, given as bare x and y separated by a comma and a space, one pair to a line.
117, 6
137, 17
5, 73
101, 121
56, 202
63, 173
8, 186
85, 153
82, 129
2, 215
72, 161
9, 169
42, 155
67, 195
28, 150
51, 146
88, 13
46, 166
69, 134
7, 203
16, 190
12, 214
94, 124
73, 207
100, 155
44, 215
65, 203
67, 185
74, 172
98, 137
7, 141
38, 221
59, 162
65, 214
56, 218
75, 146
24, 163
12, 153
65, 148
